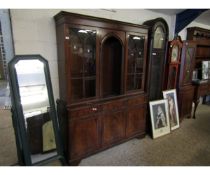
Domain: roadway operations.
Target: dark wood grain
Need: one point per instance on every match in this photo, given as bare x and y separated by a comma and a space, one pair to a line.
109, 114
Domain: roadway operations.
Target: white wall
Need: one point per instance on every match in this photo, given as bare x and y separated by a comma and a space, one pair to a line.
34, 31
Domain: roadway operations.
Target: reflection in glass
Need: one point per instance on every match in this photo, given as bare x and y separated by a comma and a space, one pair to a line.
32, 86
158, 38
189, 55
83, 61
174, 53
36, 109
135, 62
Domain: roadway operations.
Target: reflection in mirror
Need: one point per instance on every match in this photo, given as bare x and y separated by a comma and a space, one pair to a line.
34, 116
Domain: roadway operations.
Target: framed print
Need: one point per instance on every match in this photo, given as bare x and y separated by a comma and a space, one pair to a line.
171, 96
159, 118
205, 69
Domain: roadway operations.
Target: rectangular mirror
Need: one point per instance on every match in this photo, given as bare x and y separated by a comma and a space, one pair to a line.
34, 110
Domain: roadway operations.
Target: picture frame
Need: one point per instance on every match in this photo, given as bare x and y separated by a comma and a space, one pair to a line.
205, 70
159, 118
171, 97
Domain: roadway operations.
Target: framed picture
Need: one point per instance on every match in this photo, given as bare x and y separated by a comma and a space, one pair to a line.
171, 96
205, 69
159, 118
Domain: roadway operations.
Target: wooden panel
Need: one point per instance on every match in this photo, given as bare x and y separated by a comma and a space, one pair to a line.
113, 127
203, 51
84, 111
84, 136
136, 122
185, 101
135, 101
113, 105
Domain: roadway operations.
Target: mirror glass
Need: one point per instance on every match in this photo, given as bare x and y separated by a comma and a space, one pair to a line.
36, 109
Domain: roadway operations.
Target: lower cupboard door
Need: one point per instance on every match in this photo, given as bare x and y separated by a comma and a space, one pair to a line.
83, 137
113, 127
136, 122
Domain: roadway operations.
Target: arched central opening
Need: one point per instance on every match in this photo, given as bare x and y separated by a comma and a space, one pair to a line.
111, 67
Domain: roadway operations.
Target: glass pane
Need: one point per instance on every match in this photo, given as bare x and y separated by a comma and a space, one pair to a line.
135, 61
158, 38
83, 49
188, 62
174, 53
83, 62
134, 81
77, 89
90, 88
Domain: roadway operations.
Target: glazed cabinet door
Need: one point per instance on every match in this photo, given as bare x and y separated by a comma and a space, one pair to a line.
83, 136
82, 43
187, 62
136, 61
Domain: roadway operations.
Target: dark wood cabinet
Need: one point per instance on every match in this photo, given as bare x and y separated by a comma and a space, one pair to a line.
135, 121
201, 76
84, 136
102, 65
185, 99
158, 37
185, 87
113, 127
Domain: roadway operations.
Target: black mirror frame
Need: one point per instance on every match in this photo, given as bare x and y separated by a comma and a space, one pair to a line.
24, 156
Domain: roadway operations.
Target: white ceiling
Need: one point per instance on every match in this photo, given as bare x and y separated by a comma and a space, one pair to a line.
204, 18
168, 11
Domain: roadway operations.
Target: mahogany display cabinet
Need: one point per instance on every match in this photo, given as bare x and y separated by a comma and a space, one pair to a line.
101, 66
